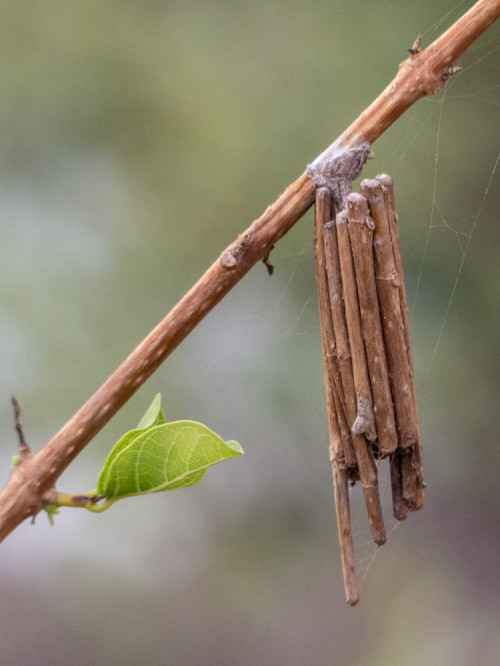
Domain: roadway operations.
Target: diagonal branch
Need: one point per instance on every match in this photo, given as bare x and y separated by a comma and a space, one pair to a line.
423, 73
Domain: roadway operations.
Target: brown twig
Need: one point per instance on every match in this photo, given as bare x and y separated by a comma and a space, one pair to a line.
388, 289
330, 369
361, 234
390, 204
337, 437
341, 488
399, 508
419, 75
364, 421
409, 479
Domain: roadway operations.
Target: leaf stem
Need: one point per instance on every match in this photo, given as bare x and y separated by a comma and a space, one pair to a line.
90, 501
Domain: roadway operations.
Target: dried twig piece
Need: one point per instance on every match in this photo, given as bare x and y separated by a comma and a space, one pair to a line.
390, 204
341, 487
388, 285
361, 234
342, 348
364, 422
330, 370
409, 479
399, 508
337, 458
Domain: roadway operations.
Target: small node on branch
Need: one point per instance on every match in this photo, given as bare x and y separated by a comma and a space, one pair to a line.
231, 256
450, 71
24, 447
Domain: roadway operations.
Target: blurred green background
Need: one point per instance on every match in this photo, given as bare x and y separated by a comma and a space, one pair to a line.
138, 140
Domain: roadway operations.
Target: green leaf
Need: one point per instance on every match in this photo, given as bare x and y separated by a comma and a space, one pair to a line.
162, 456
154, 415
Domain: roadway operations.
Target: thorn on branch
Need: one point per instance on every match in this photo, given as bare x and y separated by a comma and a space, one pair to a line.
24, 447
265, 260
417, 46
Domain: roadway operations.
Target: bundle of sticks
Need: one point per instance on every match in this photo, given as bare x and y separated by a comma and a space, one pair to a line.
367, 361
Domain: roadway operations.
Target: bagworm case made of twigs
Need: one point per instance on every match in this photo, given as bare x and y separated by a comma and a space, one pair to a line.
368, 369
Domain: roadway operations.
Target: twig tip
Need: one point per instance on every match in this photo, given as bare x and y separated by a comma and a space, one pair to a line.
24, 447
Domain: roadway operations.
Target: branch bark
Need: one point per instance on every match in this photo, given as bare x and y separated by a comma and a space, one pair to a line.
419, 75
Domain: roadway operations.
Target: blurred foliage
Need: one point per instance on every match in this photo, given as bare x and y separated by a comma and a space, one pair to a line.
138, 140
